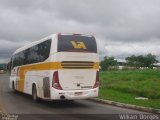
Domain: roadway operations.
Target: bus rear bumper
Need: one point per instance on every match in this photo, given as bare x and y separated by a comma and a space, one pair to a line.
73, 94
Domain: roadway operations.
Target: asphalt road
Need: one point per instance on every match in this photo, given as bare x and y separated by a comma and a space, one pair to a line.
17, 103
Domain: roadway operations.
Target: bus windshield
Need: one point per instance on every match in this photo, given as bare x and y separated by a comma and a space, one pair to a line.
76, 43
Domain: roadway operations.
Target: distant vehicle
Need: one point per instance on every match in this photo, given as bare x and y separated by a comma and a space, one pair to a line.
58, 67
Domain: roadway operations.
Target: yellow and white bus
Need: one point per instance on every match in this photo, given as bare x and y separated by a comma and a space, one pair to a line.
58, 67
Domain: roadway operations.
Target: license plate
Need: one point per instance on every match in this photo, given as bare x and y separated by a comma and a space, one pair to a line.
78, 93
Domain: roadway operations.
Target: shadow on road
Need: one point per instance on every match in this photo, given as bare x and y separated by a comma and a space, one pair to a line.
51, 104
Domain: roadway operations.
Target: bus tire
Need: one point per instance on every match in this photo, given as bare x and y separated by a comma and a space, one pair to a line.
34, 94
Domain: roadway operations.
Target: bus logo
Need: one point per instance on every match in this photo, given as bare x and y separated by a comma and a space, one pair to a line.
78, 45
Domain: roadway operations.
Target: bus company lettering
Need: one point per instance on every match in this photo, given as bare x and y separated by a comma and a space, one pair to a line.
78, 45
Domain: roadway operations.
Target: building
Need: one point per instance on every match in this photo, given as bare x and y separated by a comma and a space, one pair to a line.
156, 65
121, 63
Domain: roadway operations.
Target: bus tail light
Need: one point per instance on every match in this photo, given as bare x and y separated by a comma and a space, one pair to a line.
55, 82
97, 80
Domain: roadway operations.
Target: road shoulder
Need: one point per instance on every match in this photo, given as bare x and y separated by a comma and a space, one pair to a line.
129, 106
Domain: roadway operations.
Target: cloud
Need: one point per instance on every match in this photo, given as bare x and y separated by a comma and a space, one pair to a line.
122, 51
121, 27
8, 47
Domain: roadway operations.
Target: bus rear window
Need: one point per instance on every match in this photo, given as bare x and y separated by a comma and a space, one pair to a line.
76, 43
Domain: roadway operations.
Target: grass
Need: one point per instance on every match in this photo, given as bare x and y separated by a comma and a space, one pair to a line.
124, 86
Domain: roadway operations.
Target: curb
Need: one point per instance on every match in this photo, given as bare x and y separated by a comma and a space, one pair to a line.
129, 106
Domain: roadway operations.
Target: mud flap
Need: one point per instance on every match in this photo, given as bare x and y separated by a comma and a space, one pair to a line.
46, 87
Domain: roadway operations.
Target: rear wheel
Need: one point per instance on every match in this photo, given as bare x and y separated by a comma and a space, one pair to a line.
34, 94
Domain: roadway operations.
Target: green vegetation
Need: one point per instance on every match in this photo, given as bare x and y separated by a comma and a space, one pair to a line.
145, 61
124, 86
108, 62
142, 60
3, 66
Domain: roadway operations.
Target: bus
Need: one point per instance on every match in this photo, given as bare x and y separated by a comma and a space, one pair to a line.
58, 67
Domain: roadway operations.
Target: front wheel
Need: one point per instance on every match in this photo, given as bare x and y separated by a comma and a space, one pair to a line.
34, 94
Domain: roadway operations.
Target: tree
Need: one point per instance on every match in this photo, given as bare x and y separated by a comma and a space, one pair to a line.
107, 62
142, 60
132, 61
2, 66
149, 60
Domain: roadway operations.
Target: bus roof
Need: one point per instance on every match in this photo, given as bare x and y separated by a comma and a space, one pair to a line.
33, 43
44, 39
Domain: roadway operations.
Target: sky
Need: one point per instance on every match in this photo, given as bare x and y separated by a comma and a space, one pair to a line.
121, 27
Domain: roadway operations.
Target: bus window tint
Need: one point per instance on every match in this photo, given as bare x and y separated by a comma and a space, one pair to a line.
35, 54
76, 43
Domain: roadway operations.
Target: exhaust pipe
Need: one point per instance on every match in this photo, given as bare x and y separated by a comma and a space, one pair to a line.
62, 97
